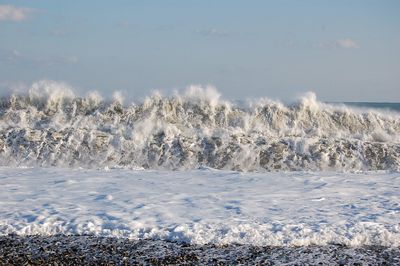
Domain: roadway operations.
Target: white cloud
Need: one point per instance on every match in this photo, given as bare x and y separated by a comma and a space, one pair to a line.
338, 44
9, 55
213, 32
16, 57
58, 33
70, 59
12, 13
124, 24
347, 44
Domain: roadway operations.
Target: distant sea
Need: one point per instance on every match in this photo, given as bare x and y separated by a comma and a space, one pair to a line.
376, 105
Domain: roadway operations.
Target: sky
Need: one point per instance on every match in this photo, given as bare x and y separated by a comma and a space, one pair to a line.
343, 50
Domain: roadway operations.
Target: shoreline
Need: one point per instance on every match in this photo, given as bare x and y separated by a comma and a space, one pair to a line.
94, 250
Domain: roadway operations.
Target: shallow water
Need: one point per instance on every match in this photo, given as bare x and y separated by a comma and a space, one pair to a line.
204, 206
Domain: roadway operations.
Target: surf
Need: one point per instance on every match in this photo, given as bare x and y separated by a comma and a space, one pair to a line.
50, 125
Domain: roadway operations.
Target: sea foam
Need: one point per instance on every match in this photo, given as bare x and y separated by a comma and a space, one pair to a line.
51, 126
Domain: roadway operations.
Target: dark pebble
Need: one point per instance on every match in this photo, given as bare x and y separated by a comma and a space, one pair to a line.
91, 250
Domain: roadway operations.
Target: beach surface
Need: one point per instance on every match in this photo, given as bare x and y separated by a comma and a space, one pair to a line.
89, 250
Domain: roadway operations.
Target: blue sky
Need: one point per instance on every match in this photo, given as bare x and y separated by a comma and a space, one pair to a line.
342, 50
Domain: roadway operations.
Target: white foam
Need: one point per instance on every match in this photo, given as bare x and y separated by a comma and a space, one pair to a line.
204, 206
51, 126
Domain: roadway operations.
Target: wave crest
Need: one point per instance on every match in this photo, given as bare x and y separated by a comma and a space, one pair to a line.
52, 126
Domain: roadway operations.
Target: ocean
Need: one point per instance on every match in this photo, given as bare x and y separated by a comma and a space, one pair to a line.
375, 105
194, 168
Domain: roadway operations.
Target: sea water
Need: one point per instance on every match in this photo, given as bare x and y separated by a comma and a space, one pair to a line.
195, 168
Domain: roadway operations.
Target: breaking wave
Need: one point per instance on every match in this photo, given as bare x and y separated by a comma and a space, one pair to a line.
51, 126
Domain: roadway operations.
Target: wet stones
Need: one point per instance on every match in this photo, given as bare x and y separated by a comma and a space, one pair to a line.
91, 250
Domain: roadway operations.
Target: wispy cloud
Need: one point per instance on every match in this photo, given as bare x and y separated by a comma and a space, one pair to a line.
13, 13
58, 33
347, 44
16, 57
9, 55
69, 59
339, 44
54, 60
212, 32
125, 24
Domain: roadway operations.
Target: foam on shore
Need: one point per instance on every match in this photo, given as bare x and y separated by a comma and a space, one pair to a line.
204, 206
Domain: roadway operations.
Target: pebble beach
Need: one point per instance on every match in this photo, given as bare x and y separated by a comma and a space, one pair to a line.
91, 250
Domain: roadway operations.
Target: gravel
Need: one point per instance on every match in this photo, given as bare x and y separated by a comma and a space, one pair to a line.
92, 250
